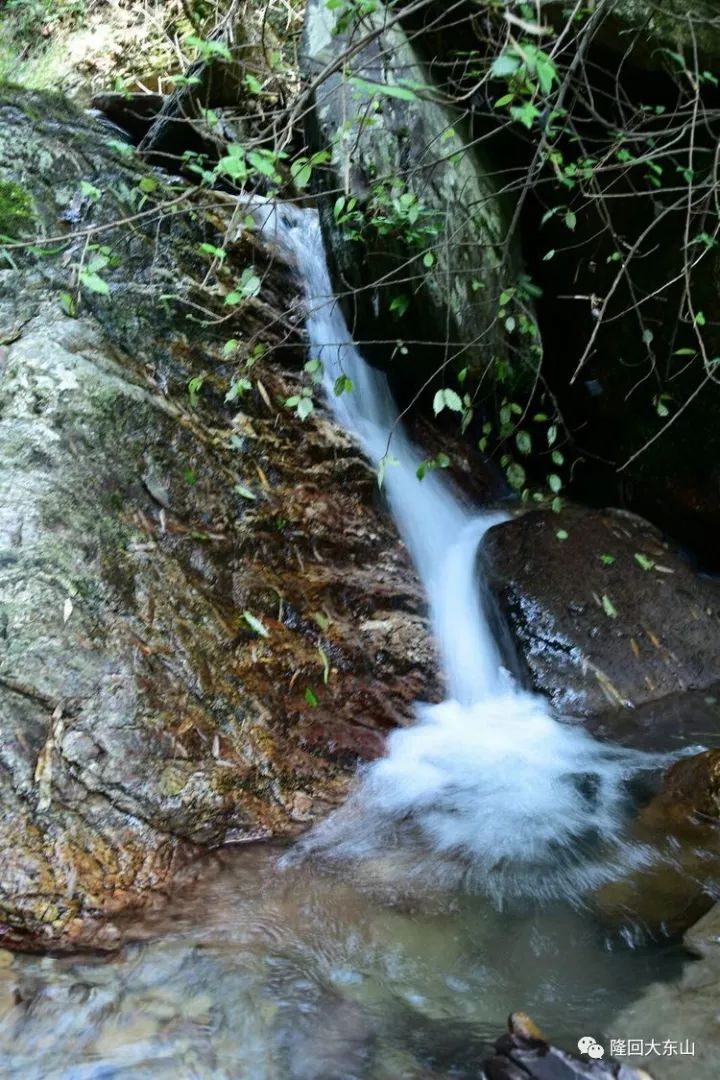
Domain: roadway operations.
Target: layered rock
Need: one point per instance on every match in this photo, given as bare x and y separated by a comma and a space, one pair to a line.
207, 619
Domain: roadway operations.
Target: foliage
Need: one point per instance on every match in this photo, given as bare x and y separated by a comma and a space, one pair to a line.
16, 209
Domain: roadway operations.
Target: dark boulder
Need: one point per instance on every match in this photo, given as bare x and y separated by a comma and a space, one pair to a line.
602, 608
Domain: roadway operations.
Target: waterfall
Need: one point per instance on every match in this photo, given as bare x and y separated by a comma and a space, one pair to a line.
488, 786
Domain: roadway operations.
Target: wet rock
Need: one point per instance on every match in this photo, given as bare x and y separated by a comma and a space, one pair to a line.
685, 1013
207, 618
677, 721
420, 256
680, 825
611, 614
525, 1054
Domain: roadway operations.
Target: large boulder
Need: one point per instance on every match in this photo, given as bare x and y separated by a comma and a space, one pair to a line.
602, 608
206, 620
411, 213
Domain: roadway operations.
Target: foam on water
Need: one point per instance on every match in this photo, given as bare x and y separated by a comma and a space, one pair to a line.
488, 785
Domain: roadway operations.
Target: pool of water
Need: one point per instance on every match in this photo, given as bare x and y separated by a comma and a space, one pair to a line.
264, 971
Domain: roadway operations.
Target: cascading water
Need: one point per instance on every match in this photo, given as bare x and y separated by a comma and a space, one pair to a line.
487, 786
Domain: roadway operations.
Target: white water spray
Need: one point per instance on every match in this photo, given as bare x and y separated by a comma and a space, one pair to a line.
488, 785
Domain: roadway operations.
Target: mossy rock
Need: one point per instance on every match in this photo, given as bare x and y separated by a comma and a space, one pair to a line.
434, 282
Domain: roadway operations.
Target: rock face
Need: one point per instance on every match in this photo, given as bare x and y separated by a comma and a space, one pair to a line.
608, 614
206, 617
424, 261
673, 24
685, 1012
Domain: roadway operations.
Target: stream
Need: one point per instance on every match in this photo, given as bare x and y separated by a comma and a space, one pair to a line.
394, 939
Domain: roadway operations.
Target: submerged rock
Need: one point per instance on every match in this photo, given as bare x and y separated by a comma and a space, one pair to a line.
207, 618
681, 825
602, 608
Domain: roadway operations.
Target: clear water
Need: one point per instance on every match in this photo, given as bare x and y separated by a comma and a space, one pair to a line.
260, 973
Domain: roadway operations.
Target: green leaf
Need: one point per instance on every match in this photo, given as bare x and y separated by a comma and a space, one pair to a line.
208, 48
123, 149
255, 624
234, 167
310, 697
525, 114
305, 407
238, 387
504, 65
554, 483
447, 399
314, 366
244, 491
249, 283
211, 249
562, 534
264, 162
342, 385
399, 305
90, 191
608, 607
321, 619
301, 171
515, 475
571, 220
523, 441
546, 74
94, 283
442, 461
607, 560
644, 561
68, 305
428, 259
194, 386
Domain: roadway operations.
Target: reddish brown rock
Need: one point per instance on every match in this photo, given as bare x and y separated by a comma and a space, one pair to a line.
207, 616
